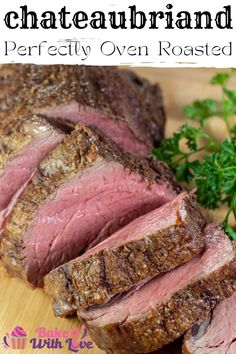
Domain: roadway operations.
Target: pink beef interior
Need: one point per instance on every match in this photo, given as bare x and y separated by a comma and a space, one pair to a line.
20, 168
119, 132
86, 210
220, 337
158, 219
217, 251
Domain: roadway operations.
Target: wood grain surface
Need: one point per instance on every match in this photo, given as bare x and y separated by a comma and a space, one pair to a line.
31, 309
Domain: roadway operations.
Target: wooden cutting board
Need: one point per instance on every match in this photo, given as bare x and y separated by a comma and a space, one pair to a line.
31, 309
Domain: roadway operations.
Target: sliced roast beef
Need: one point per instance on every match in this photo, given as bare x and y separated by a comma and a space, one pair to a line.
151, 244
216, 334
24, 142
163, 309
84, 190
123, 106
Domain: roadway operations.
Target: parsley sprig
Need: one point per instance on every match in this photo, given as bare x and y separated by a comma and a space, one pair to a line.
214, 175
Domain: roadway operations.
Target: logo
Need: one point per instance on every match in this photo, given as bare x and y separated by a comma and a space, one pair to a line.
17, 339
73, 340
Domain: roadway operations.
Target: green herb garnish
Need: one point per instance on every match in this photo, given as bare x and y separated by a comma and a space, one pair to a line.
214, 175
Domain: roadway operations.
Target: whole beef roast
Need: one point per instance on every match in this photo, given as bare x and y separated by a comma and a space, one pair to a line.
24, 142
163, 309
123, 106
151, 244
84, 190
216, 334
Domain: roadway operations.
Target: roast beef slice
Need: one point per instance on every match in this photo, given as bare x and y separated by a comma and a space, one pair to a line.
24, 142
216, 334
151, 244
167, 306
123, 106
